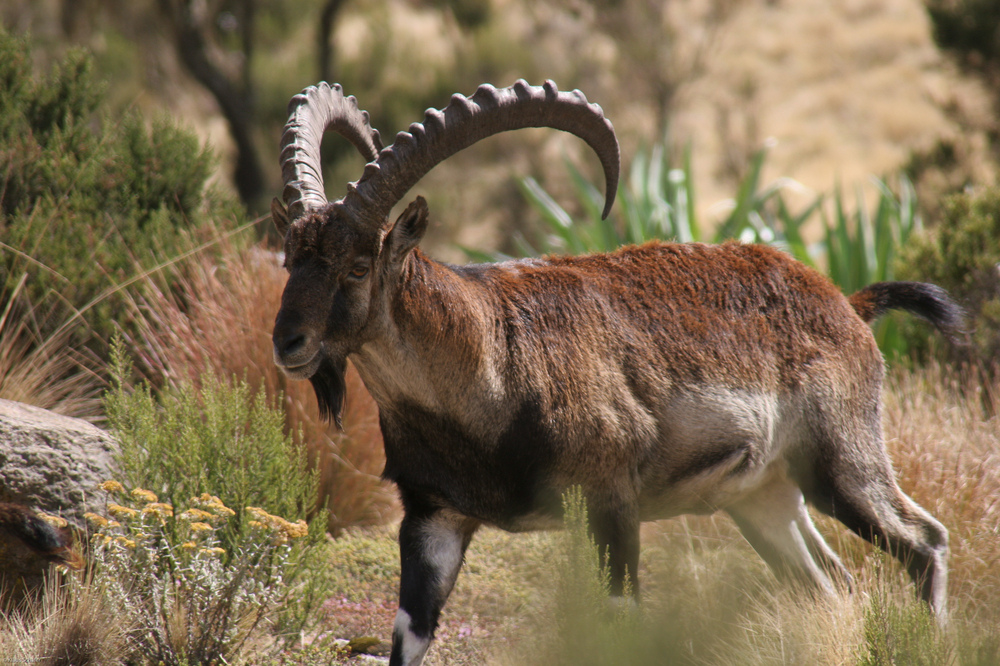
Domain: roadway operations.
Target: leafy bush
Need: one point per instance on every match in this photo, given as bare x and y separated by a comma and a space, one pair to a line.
214, 438
969, 28
962, 254
589, 631
691, 619
87, 199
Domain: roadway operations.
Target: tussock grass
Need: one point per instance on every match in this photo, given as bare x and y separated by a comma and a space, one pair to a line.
43, 369
947, 452
73, 626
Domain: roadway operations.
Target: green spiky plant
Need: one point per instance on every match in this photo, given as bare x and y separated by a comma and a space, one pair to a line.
863, 247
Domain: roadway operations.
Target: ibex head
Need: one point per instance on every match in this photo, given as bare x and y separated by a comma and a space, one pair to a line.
345, 258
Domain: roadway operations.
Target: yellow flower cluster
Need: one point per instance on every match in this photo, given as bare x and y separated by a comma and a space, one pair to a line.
121, 512
208, 511
143, 495
203, 518
198, 528
198, 515
160, 510
55, 521
283, 528
112, 486
213, 504
97, 521
119, 541
191, 546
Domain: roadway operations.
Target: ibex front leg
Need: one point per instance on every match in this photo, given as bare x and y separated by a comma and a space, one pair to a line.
432, 543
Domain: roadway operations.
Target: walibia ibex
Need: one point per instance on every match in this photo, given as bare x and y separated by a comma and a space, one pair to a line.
662, 379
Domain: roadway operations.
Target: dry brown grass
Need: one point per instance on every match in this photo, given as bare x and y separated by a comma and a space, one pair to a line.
73, 626
219, 317
947, 452
44, 370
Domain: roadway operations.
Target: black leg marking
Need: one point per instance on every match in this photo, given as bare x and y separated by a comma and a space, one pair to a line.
432, 544
867, 500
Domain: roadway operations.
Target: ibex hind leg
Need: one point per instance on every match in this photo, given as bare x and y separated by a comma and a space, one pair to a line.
855, 485
776, 522
432, 544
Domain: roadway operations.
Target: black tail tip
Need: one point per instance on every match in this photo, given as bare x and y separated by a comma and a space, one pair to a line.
928, 301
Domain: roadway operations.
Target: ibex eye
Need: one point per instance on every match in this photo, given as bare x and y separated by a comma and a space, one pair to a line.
359, 271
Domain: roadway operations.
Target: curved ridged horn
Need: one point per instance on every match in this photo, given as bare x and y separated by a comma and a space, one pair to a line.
311, 113
466, 121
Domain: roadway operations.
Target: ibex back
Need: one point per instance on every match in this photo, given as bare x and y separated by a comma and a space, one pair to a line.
662, 379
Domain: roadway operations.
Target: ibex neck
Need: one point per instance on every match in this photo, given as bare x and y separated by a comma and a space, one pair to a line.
434, 351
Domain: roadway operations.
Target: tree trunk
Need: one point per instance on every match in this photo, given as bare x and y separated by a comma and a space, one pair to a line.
235, 99
323, 35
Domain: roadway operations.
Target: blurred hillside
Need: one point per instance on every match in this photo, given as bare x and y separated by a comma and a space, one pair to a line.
840, 89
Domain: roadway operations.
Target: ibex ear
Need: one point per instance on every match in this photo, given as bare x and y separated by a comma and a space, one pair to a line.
408, 230
279, 216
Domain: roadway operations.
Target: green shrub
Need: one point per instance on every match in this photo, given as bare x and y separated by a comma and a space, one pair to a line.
962, 254
686, 621
217, 318
212, 443
899, 633
590, 631
88, 199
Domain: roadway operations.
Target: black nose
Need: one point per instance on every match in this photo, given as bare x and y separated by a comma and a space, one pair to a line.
289, 344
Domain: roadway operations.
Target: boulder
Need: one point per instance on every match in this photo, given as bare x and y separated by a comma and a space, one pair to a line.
53, 463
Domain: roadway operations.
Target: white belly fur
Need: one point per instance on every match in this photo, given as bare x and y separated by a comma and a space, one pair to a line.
716, 445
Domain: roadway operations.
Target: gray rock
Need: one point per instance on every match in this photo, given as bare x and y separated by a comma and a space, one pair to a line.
51, 462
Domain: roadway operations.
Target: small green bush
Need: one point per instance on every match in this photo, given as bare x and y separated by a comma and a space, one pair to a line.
214, 442
590, 631
87, 198
961, 253
898, 633
213, 437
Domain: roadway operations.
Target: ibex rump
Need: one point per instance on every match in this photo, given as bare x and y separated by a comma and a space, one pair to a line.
662, 379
